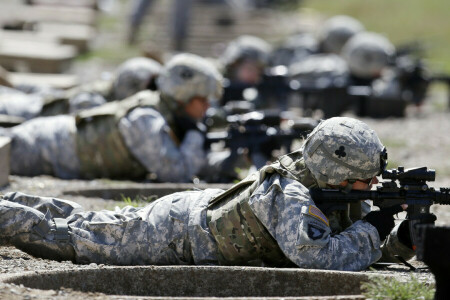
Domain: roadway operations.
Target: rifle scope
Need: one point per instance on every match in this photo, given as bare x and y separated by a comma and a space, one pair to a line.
414, 174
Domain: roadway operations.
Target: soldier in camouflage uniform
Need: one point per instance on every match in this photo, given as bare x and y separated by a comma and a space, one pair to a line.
28, 101
149, 133
336, 31
368, 54
244, 60
267, 219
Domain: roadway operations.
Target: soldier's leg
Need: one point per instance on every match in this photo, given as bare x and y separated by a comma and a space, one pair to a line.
33, 231
155, 234
60, 230
57, 208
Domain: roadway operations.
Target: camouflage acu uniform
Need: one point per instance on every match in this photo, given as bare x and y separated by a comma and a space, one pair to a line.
50, 146
171, 230
268, 219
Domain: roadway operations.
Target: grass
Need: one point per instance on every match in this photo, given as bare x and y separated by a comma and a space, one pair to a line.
137, 201
388, 288
401, 21
394, 143
114, 50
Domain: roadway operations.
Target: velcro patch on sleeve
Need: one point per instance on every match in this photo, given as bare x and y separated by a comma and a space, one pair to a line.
318, 214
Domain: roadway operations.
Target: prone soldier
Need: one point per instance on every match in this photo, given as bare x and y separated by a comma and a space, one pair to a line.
150, 133
267, 219
29, 101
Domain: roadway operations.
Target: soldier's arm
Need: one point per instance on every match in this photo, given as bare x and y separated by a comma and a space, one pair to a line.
148, 137
394, 245
303, 234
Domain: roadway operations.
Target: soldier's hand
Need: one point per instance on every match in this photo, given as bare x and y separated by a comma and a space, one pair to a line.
383, 219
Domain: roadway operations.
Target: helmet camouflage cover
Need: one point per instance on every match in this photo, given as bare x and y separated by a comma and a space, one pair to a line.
134, 75
246, 47
187, 75
367, 53
336, 31
340, 149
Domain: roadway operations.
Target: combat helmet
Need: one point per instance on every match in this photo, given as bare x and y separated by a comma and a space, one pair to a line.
336, 31
134, 75
186, 76
342, 148
246, 47
367, 54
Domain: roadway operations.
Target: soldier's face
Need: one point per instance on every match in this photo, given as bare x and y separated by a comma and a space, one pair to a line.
249, 72
197, 107
365, 185
362, 185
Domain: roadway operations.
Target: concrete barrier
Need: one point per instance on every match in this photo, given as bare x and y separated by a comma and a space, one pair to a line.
38, 57
58, 81
199, 281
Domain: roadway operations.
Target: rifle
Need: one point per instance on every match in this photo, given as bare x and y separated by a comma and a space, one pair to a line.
260, 133
271, 91
412, 190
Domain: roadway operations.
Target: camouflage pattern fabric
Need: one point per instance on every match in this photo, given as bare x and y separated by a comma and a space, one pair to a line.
45, 146
246, 47
48, 146
336, 31
186, 76
85, 100
18, 104
285, 208
320, 71
147, 136
240, 237
367, 54
174, 230
170, 230
392, 246
134, 75
342, 148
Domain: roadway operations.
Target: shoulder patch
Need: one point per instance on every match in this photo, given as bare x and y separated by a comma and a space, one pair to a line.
318, 214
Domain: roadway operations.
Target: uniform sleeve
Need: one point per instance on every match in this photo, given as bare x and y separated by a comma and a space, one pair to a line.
392, 247
147, 135
302, 231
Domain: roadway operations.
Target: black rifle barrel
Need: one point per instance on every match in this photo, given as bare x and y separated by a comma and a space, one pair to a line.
408, 197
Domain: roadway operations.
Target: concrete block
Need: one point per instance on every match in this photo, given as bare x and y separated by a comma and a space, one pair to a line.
37, 57
201, 282
5, 156
74, 3
78, 35
59, 81
33, 14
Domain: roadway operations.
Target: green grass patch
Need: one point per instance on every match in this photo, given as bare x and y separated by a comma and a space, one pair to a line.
113, 54
138, 201
389, 288
393, 143
392, 164
401, 21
